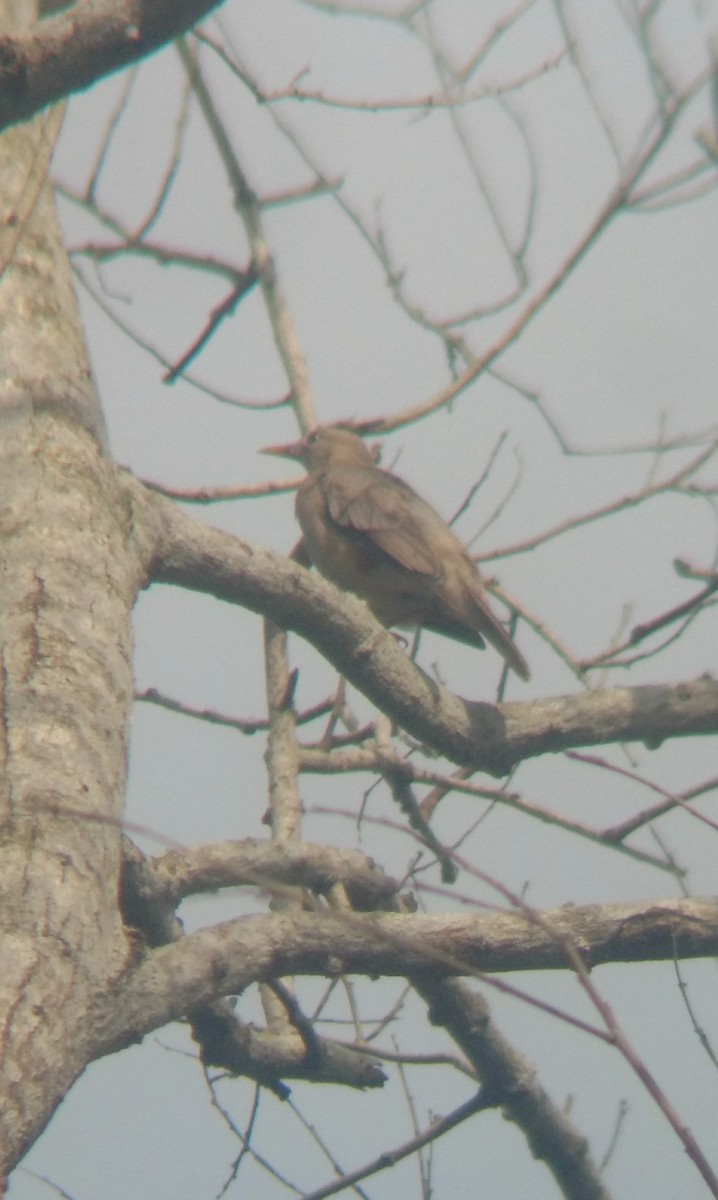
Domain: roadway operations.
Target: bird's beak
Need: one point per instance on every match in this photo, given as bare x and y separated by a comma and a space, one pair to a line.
294, 450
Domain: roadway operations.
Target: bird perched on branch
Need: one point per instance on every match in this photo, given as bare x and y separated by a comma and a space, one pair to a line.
368, 532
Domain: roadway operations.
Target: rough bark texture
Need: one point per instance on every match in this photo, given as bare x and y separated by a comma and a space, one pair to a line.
67, 585
66, 591
74, 49
42, 346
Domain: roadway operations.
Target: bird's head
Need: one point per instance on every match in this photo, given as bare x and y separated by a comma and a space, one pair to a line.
326, 446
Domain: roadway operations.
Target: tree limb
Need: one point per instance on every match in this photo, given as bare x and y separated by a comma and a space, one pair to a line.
227, 958
491, 738
71, 51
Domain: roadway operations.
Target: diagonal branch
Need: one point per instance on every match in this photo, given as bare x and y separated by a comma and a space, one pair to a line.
512, 1083
71, 51
492, 738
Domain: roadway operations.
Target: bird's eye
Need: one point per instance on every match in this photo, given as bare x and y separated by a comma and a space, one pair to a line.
312, 437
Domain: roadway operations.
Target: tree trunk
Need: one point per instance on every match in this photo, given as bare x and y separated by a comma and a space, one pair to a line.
67, 585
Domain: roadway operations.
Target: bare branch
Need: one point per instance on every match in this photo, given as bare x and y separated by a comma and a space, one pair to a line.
227, 958
512, 1084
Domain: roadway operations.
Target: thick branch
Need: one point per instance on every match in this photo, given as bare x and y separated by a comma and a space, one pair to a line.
227, 958
491, 738
69, 52
150, 891
270, 1057
152, 888
171, 877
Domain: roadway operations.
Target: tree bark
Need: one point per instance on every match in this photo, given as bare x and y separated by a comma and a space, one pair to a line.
67, 585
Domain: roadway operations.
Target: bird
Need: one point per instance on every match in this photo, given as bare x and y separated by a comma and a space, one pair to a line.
368, 532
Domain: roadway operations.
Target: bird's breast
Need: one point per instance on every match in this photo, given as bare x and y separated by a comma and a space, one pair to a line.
340, 554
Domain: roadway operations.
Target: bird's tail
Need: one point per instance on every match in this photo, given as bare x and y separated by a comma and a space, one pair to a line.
466, 615
484, 627
494, 632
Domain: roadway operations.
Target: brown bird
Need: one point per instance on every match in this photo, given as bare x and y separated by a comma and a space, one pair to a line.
369, 533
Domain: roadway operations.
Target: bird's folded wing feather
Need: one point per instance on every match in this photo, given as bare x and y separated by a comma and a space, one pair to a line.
387, 512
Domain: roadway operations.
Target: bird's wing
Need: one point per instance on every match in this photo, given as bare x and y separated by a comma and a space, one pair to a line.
386, 511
